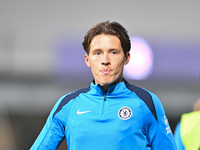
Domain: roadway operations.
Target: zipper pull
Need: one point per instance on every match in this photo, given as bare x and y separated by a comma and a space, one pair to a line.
104, 97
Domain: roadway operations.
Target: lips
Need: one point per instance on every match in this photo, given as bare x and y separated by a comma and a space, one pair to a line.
105, 71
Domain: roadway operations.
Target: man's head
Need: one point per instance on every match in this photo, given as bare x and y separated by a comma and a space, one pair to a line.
107, 46
108, 28
197, 106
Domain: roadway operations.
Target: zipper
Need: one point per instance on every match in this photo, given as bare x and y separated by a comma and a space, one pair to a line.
103, 105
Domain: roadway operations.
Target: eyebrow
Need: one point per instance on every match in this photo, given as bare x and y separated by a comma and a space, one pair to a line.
100, 50
112, 49
96, 50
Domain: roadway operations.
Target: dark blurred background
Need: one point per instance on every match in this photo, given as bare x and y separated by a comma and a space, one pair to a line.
41, 57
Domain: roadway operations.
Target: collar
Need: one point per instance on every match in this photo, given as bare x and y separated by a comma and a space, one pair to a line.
98, 88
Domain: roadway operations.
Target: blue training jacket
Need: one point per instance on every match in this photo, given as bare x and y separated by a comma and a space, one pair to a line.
125, 117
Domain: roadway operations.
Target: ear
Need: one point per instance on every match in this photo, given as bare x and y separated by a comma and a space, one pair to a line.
87, 60
127, 58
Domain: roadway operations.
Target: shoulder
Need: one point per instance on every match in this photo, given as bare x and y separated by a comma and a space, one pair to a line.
64, 100
149, 98
74, 94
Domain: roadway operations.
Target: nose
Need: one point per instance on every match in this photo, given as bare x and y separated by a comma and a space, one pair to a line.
105, 60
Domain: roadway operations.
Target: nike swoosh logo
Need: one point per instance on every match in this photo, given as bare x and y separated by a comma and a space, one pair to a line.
82, 112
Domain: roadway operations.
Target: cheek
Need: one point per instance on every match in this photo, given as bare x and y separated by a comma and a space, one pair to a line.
120, 66
94, 65
92, 62
121, 63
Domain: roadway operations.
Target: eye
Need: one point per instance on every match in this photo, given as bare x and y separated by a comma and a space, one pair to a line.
113, 52
97, 53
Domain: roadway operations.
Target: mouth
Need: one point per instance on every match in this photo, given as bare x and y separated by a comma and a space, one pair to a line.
105, 71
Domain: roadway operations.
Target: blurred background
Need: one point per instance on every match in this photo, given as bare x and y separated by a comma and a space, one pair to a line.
41, 57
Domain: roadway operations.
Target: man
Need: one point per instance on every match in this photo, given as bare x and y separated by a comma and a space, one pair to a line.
110, 114
187, 132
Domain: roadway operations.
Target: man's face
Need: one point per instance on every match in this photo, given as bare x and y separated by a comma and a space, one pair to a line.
106, 59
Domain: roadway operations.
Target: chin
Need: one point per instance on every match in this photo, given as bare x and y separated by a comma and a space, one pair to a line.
109, 81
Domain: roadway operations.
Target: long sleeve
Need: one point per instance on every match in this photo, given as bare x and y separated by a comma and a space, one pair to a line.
157, 128
52, 133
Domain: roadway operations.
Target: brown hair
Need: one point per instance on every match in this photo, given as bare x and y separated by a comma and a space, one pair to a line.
108, 28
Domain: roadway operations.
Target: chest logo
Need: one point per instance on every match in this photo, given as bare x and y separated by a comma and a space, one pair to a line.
82, 112
124, 113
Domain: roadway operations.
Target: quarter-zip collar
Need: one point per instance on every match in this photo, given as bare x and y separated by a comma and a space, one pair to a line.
98, 89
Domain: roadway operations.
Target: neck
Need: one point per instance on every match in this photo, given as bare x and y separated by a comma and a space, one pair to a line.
105, 87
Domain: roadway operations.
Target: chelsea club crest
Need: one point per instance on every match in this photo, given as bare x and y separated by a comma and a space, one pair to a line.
124, 113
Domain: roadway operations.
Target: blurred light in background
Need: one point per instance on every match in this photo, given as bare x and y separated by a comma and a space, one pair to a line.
141, 62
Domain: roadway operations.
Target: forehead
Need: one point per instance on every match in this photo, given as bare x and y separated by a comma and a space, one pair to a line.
105, 41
